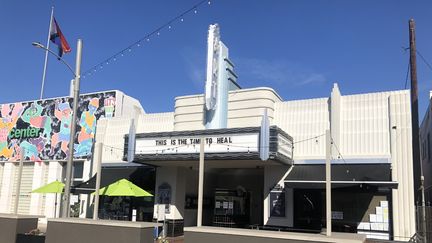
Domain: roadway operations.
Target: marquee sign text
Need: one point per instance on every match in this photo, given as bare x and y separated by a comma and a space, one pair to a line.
213, 144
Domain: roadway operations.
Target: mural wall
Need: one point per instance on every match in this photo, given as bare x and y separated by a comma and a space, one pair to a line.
42, 127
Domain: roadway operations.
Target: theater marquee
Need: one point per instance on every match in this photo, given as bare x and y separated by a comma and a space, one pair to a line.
219, 144
213, 144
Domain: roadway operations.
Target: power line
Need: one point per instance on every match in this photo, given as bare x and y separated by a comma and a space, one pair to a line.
406, 78
230, 145
146, 39
421, 57
307, 139
340, 155
424, 60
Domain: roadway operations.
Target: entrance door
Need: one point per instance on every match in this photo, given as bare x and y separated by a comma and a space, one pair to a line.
307, 209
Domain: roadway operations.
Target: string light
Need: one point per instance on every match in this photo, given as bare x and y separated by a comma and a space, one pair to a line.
168, 25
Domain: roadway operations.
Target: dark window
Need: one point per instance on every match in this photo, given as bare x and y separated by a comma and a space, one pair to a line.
78, 170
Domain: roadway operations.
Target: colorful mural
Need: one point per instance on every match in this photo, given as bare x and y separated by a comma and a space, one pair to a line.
42, 127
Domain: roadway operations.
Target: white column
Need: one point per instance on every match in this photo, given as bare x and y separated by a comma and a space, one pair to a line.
99, 147
328, 183
200, 183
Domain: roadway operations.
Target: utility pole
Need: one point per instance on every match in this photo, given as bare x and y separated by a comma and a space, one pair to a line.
20, 169
418, 168
66, 196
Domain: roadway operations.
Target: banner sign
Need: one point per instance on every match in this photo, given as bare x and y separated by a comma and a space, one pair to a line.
42, 127
285, 146
213, 144
277, 204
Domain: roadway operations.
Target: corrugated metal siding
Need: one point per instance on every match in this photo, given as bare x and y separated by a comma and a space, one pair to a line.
401, 145
366, 122
365, 125
157, 122
45, 181
127, 106
114, 139
111, 132
304, 120
25, 190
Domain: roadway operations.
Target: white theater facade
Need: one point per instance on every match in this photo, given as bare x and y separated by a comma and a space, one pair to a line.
371, 162
264, 157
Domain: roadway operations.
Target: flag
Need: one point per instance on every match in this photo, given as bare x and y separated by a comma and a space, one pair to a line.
57, 37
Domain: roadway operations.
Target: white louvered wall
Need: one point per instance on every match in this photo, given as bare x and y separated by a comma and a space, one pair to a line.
25, 190
156, 122
402, 164
364, 130
304, 120
111, 133
44, 182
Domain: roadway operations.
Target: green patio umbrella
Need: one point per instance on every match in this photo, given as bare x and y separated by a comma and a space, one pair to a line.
123, 187
53, 187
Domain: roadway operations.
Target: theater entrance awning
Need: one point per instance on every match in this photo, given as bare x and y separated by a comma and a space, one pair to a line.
343, 175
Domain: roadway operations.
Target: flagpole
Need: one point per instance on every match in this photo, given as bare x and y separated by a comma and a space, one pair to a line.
46, 53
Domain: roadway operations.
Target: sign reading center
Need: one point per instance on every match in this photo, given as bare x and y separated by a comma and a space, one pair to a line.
214, 144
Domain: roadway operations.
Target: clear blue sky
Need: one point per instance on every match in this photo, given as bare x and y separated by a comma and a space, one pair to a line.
298, 47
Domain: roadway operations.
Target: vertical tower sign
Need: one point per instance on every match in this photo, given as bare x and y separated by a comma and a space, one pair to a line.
220, 80
213, 56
